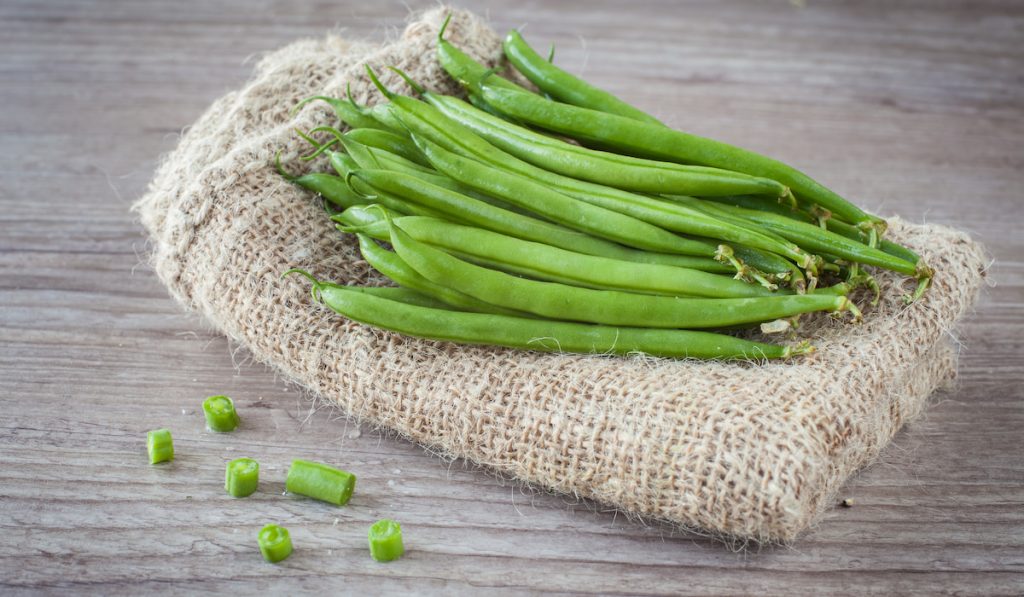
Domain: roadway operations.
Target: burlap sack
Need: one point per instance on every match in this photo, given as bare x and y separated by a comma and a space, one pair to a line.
748, 450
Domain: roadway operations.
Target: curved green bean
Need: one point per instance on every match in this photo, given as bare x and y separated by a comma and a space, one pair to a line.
659, 142
563, 86
478, 213
398, 271
542, 335
461, 67
610, 307
602, 167
542, 261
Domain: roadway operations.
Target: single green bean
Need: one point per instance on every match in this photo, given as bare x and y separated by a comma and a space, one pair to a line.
347, 112
659, 142
611, 307
543, 335
395, 269
563, 86
478, 213
330, 187
545, 262
602, 167
461, 67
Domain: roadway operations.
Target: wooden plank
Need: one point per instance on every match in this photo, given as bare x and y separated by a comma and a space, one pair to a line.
914, 108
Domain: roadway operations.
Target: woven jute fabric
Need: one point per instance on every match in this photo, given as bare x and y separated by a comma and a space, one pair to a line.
754, 451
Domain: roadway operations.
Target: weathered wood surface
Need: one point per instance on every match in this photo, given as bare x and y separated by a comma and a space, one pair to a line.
912, 108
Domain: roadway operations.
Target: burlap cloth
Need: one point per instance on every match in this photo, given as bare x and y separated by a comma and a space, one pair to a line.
752, 451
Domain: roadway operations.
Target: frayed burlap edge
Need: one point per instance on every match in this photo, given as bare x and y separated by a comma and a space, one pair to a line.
753, 451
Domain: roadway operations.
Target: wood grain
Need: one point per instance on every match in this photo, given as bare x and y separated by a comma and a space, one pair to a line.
912, 108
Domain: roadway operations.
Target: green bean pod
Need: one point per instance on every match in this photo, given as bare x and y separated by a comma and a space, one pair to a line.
602, 167
330, 187
543, 335
816, 238
659, 142
473, 212
610, 307
563, 86
393, 267
426, 122
347, 112
392, 143
461, 67
558, 207
545, 262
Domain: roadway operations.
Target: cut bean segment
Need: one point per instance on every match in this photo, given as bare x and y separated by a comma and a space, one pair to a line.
385, 537
241, 477
562, 86
540, 335
319, 481
160, 446
221, 415
275, 543
658, 142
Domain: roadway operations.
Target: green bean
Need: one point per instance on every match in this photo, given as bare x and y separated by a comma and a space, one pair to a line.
560, 208
423, 119
241, 477
817, 239
461, 67
563, 86
347, 112
545, 262
543, 335
478, 213
402, 295
395, 269
611, 307
610, 169
390, 142
328, 186
813, 237
659, 142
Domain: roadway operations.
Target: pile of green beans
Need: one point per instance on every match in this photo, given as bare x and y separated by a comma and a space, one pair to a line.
568, 220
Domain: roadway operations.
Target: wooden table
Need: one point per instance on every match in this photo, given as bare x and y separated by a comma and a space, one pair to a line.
912, 108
